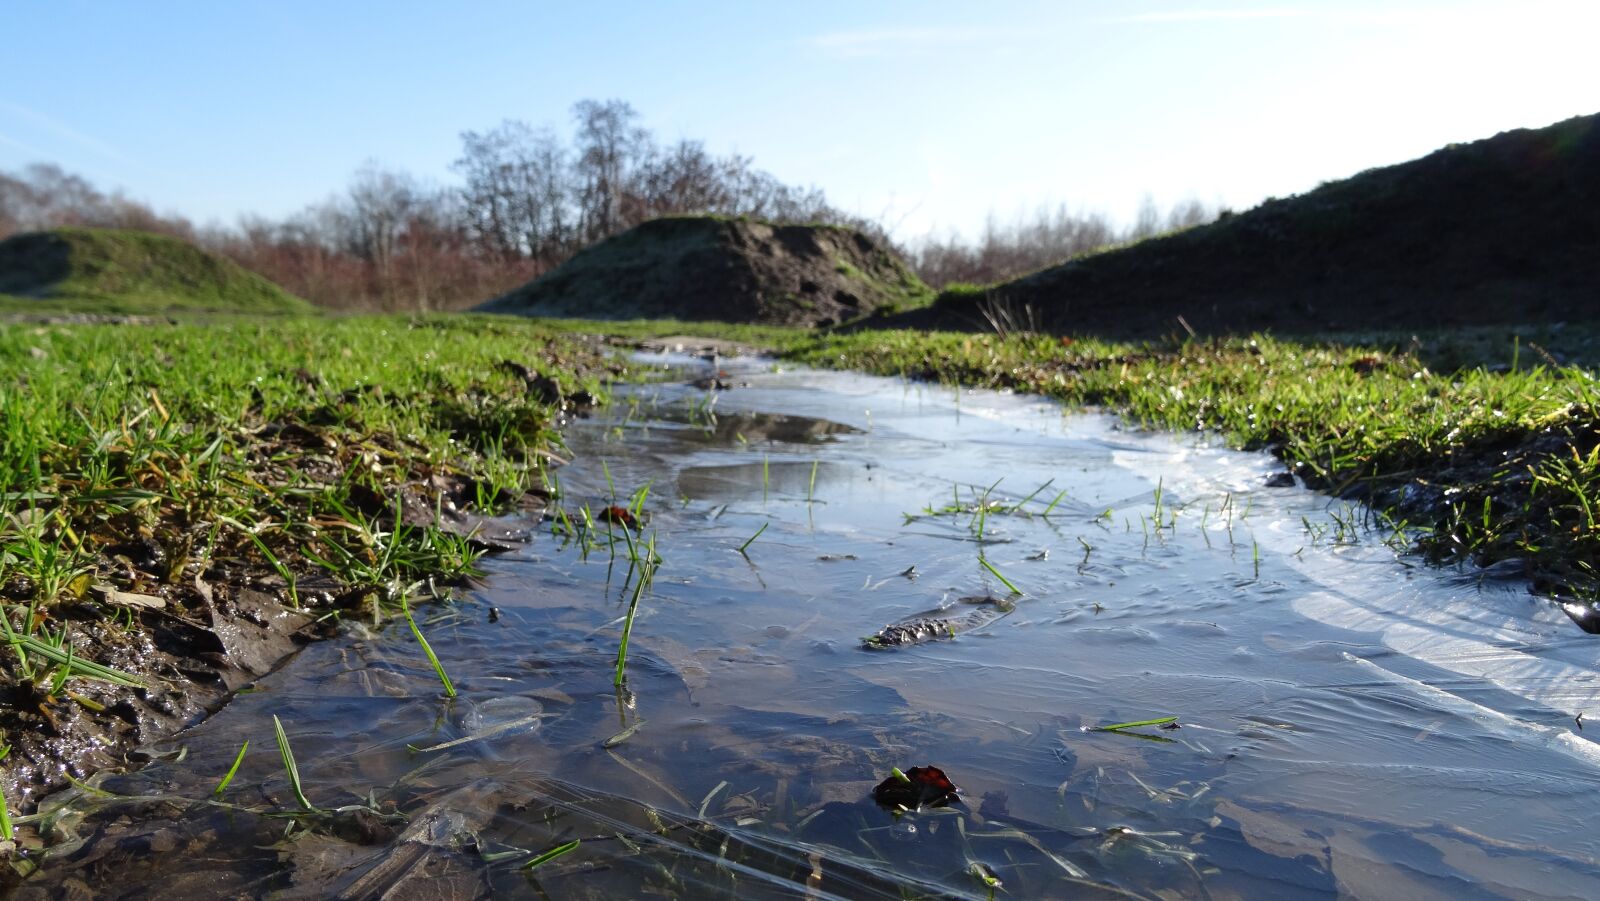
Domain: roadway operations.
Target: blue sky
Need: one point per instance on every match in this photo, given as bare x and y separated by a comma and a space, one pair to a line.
929, 115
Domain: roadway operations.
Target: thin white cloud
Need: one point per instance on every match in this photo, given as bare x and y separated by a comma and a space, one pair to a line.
1207, 15
9, 141
883, 41
62, 130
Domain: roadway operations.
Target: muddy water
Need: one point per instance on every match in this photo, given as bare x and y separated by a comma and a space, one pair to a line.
1352, 725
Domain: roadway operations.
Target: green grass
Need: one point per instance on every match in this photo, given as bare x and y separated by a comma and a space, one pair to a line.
227, 777
752, 538
290, 768
427, 649
646, 567
120, 271
552, 854
277, 450
996, 573
1116, 727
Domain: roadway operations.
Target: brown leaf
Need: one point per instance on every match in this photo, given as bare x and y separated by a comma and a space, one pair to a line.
129, 599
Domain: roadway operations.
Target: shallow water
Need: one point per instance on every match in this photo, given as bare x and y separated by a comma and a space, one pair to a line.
1352, 724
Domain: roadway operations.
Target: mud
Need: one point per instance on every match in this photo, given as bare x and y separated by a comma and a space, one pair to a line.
942, 623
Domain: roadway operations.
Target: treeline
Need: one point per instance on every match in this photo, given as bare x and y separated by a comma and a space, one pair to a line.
527, 200
1049, 237
43, 196
390, 240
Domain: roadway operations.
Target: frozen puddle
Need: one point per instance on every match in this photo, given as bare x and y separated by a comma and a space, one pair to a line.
1353, 724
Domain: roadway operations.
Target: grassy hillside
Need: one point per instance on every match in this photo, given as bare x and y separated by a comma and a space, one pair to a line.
117, 271
1499, 231
726, 270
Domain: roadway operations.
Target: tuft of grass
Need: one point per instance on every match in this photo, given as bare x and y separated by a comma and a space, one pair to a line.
283, 449
60, 654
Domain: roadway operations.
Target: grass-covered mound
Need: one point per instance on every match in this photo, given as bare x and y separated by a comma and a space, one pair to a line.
121, 271
724, 270
1499, 231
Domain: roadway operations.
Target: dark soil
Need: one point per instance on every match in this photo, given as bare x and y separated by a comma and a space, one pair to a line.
190, 657
1496, 232
192, 638
705, 268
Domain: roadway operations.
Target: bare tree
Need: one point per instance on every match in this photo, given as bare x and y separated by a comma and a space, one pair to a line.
1148, 221
685, 178
1188, 213
378, 207
1047, 238
44, 196
517, 199
609, 147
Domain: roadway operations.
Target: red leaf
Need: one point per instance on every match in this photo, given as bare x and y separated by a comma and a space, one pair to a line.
922, 786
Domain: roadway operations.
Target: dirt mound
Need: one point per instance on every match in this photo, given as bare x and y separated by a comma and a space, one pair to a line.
1499, 231
120, 271
727, 270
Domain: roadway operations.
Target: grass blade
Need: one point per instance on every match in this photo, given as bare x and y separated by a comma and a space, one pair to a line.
1161, 721
223, 785
1019, 504
444, 679
627, 631
289, 767
74, 664
753, 537
490, 732
1053, 503
996, 573
552, 854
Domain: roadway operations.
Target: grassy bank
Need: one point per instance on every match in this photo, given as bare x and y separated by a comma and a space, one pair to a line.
122, 271
1480, 465
150, 474
1481, 446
